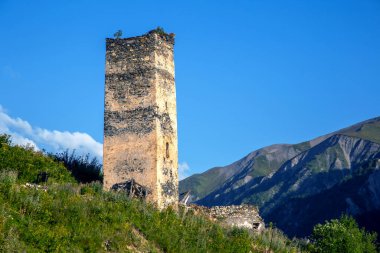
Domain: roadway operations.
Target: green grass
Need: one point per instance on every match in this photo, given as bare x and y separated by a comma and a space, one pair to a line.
302, 146
29, 163
83, 218
75, 218
72, 217
262, 167
322, 162
368, 131
67, 216
203, 184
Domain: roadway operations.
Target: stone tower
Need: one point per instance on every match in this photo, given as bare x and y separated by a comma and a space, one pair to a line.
140, 118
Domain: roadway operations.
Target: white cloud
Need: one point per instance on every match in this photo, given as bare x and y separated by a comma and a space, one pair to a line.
22, 141
183, 170
51, 140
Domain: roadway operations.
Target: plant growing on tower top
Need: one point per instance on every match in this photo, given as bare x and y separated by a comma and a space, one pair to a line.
160, 30
118, 34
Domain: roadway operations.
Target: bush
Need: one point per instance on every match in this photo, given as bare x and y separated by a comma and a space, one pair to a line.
7, 180
5, 139
159, 30
84, 169
343, 236
276, 240
118, 34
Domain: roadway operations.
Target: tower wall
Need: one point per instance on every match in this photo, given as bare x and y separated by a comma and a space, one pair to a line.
140, 120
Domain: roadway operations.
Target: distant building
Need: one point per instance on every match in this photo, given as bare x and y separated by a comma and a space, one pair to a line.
140, 118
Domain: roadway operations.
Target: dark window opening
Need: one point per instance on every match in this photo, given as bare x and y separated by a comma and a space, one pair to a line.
167, 150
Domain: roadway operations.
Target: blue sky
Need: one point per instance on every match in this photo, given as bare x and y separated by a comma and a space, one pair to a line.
248, 73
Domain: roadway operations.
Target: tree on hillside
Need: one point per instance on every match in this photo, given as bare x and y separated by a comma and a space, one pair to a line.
342, 236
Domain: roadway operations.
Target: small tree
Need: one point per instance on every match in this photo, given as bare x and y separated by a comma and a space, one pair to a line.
118, 34
5, 139
160, 30
342, 236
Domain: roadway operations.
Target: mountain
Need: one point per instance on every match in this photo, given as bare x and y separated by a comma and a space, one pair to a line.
289, 183
257, 164
357, 195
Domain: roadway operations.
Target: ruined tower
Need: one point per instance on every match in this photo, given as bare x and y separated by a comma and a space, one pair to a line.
140, 118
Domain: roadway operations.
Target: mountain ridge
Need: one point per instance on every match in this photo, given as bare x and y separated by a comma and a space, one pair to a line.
268, 176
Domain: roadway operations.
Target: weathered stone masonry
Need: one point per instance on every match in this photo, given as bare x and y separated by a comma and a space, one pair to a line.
140, 119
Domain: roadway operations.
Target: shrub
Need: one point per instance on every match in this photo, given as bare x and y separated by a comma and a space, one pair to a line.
343, 236
159, 30
84, 169
5, 139
276, 240
118, 34
7, 180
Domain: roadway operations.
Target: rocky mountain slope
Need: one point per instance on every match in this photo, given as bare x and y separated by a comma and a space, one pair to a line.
257, 164
288, 182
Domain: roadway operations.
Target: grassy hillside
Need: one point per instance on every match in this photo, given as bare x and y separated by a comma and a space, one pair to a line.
76, 218
28, 164
368, 130
65, 216
202, 184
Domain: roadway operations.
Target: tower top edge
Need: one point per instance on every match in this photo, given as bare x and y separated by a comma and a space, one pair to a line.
152, 34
